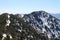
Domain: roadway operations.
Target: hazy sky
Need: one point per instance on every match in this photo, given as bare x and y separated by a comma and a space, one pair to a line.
27, 6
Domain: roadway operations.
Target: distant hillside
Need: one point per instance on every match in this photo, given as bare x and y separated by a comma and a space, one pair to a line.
56, 15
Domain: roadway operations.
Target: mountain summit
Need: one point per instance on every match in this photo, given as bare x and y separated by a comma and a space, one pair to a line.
44, 23
38, 25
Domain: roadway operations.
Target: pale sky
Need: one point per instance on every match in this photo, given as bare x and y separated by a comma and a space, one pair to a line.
27, 6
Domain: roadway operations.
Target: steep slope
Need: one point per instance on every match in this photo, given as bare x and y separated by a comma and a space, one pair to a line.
44, 23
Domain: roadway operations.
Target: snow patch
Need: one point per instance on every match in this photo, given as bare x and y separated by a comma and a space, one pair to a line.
8, 22
8, 16
45, 23
49, 35
43, 30
19, 30
31, 36
10, 36
4, 35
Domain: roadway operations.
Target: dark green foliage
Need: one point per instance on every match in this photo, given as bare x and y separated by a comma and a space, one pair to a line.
7, 38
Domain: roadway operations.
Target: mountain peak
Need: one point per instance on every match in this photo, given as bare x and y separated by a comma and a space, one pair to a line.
43, 22
39, 12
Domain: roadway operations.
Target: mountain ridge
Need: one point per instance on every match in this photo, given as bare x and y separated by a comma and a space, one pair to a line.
38, 25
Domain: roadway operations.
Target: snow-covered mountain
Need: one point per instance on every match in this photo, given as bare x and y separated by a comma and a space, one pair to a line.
38, 25
44, 23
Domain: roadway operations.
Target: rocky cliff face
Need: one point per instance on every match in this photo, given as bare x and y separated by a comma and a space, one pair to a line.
38, 25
